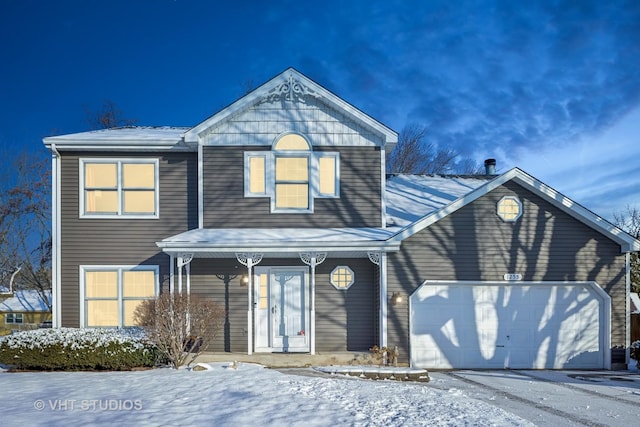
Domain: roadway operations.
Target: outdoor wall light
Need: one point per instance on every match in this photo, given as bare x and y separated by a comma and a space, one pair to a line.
396, 298
244, 280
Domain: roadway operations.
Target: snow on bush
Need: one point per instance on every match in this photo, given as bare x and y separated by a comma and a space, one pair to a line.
77, 349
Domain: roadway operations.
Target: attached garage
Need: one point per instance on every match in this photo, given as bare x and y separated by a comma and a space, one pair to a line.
516, 325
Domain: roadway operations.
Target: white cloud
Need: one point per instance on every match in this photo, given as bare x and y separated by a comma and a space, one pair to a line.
601, 172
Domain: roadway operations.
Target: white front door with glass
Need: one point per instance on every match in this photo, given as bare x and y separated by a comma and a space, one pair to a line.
281, 309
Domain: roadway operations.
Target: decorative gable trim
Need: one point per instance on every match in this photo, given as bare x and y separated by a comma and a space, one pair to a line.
291, 90
291, 86
627, 242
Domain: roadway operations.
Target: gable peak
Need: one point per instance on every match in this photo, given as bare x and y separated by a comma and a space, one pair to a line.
290, 88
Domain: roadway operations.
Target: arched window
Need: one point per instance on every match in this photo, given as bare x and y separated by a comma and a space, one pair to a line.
292, 155
292, 174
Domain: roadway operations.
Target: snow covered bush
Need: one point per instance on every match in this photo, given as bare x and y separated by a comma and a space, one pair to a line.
78, 349
181, 326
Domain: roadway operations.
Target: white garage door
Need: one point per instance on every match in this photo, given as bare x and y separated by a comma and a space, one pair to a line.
516, 325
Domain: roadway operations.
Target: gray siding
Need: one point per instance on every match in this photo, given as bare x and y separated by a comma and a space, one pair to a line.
545, 244
345, 320
359, 204
122, 241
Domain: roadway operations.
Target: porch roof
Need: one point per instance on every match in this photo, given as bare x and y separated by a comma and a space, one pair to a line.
281, 242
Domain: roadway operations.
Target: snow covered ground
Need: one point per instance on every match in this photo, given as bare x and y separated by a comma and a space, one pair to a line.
253, 395
223, 396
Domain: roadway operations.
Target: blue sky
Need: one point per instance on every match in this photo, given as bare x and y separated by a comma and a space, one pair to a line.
550, 86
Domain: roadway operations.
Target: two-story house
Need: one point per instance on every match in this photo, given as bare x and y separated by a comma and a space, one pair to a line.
279, 208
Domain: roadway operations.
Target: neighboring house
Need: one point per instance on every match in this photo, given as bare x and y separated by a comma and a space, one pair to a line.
278, 207
23, 309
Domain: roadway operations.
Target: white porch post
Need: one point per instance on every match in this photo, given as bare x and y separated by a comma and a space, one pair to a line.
184, 260
380, 259
172, 272
312, 259
383, 300
249, 259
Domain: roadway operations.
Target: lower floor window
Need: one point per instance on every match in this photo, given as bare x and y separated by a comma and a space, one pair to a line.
112, 294
13, 318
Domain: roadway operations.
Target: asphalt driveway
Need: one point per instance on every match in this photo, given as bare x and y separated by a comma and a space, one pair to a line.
552, 398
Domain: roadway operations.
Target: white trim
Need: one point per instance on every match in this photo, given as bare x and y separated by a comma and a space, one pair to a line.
605, 298
119, 269
122, 146
384, 302
517, 202
307, 277
172, 272
627, 308
200, 187
266, 156
315, 168
383, 187
626, 241
279, 248
56, 288
119, 161
332, 281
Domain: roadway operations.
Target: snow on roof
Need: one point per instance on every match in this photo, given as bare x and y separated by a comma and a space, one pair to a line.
143, 135
411, 197
25, 300
227, 237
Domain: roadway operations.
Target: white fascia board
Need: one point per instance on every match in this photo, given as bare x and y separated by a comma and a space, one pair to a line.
279, 248
627, 242
389, 136
120, 146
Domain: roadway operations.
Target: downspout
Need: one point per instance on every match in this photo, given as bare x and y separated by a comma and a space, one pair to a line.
56, 309
627, 308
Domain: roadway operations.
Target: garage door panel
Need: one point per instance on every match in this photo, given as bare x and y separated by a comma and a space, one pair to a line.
518, 326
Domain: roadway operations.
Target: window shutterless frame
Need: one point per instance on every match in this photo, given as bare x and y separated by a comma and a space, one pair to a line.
121, 190
261, 177
119, 298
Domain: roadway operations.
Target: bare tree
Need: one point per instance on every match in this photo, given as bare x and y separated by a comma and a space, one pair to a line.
25, 235
414, 155
629, 221
109, 116
182, 326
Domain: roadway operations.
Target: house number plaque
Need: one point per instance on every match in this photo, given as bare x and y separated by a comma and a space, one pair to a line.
512, 276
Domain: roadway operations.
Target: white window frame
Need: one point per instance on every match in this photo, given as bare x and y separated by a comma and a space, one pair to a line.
15, 319
120, 192
120, 269
270, 178
336, 285
502, 200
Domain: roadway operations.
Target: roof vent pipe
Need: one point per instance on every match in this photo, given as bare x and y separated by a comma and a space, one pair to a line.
490, 166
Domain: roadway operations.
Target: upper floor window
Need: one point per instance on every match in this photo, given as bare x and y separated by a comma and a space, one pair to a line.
119, 188
291, 174
509, 208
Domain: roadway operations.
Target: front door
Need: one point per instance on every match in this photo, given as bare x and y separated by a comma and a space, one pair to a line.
281, 309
